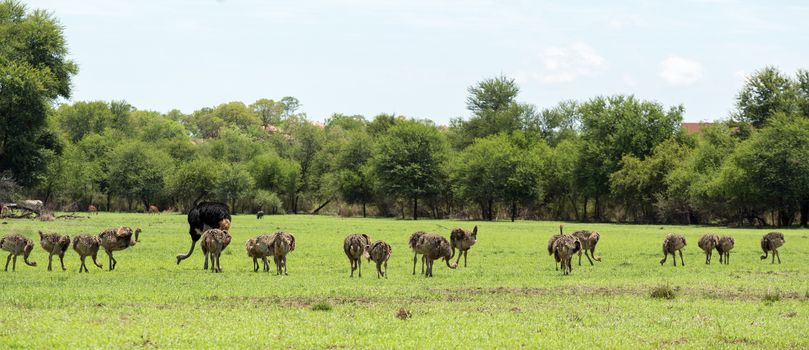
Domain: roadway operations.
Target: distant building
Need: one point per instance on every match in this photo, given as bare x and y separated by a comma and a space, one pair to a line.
694, 128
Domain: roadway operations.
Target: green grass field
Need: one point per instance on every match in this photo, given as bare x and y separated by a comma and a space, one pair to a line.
509, 296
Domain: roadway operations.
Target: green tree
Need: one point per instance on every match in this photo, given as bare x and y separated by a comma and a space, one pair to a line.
194, 180
137, 172
408, 161
269, 111
613, 127
34, 71
765, 93
351, 175
232, 183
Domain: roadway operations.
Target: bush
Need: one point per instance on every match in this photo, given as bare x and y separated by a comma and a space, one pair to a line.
664, 291
772, 296
321, 307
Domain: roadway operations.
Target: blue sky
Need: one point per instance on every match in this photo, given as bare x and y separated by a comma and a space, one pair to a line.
417, 58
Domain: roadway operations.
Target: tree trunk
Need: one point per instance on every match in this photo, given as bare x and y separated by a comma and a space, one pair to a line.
491, 210
513, 210
584, 214
483, 210
415, 208
295, 204
805, 214
145, 205
363, 209
109, 200
598, 210
327, 203
129, 204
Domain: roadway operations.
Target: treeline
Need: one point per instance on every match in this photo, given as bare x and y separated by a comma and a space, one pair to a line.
614, 158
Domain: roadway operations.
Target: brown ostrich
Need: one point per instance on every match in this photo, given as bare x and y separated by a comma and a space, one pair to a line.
17, 245
87, 245
281, 244
115, 239
54, 244
674, 242
708, 243
770, 243
355, 247
463, 240
434, 247
214, 241
259, 248
589, 240
726, 244
379, 252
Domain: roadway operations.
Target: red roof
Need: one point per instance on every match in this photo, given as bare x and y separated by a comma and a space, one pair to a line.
695, 127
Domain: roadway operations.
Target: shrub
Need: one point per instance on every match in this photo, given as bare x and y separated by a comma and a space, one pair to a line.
664, 291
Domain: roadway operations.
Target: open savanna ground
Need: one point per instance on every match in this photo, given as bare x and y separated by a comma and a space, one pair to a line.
509, 295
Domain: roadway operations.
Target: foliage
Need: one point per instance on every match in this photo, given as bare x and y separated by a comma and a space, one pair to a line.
34, 71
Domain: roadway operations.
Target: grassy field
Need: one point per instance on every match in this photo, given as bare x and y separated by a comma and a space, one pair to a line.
509, 296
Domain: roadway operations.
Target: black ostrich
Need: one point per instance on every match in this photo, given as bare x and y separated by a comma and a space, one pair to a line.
204, 216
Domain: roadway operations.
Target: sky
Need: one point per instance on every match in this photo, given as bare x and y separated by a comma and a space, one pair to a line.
418, 57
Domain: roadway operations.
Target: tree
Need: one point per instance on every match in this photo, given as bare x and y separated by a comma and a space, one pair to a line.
494, 110
772, 166
137, 172
193, 181
613, 127
351, 173
232, 183
291, 105
495, 169
269, 111
34, 71
408, 161
765, 93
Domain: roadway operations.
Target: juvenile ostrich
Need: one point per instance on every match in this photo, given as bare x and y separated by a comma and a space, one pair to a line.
214, 241
92, 209
589, 240
379, 252
260, 214
551, 241
87, 245
770, 243
413, 244
356, 247
281, 243
115, 239
724, 247
434, 247
17, 245
259, 248
462, 240
54, 244
708, 243
153, 209
672, 243
563, 249
204, 216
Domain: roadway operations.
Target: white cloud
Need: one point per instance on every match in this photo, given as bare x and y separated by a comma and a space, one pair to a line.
679, 71
623, 22
567, 63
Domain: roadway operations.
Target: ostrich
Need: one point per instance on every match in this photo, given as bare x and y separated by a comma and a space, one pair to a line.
563, 249
17, 245
673, 242
589, 240
153, 209
87, 245
214, 241
724, 247
434, 247
463, 240
115, 239
770, 243
204, 216
708, 243
281, 243
413, 244
379, 252
92, 209
260, 214
54, 244
551, 241
355, 246
259, 248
